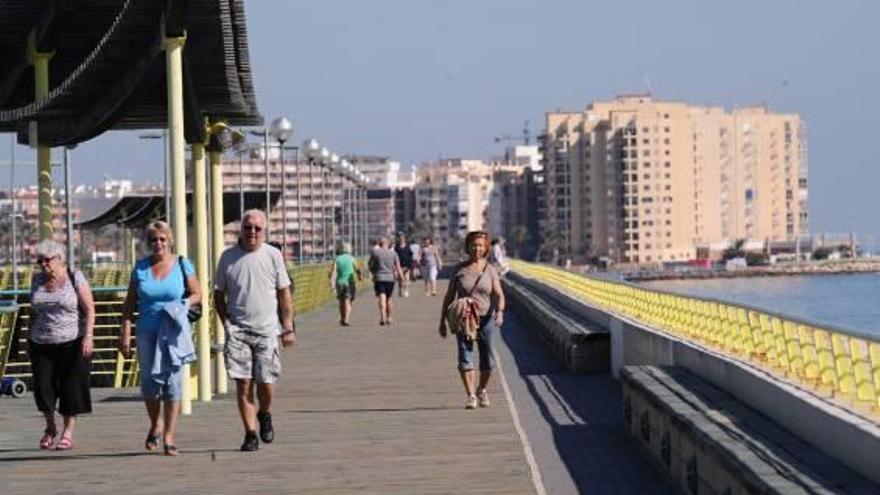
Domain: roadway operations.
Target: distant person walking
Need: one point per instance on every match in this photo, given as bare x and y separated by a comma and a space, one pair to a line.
60, 343
385, 267
498, 256
416, 250
405, 256
431, 265
156, 291
343, 270
477, 279
250, 287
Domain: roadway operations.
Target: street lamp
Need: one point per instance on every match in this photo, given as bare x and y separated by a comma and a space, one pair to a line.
265, 134
163, 136
333, 167
282, 130
312, 149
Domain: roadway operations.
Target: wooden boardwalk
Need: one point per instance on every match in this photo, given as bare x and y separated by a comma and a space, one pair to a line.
364, 409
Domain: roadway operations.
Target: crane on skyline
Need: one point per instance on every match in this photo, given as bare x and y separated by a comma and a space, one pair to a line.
525, 138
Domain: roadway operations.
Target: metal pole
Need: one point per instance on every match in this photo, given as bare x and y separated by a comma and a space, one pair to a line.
314, 240
166, 171
69, 213
174, 74
324, 212
283, 200
366, 231
354, 206
14, 213
299, 230
40, 62
240, 185
333, 198
200, 218
266, 171
218, 244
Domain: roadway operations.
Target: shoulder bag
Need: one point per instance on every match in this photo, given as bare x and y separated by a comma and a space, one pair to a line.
195, 310
461, 315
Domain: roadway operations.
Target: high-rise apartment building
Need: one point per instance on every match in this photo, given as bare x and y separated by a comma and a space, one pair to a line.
642, 181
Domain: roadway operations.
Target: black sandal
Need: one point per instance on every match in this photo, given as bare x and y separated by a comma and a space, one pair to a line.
170, 450
152, 442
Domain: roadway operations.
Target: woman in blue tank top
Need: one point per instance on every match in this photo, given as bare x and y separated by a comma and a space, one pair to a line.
157, 280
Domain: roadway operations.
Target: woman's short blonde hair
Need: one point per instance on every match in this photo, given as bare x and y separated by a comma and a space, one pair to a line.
159, 227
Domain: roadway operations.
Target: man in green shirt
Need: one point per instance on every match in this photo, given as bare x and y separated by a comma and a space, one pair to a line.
344, 269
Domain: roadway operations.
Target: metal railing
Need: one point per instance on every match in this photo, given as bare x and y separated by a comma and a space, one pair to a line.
835, 362
109, 284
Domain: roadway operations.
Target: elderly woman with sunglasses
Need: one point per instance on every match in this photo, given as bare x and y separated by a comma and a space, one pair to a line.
157, 280
60, 343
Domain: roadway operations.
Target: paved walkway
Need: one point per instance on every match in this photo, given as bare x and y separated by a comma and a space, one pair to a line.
364, 409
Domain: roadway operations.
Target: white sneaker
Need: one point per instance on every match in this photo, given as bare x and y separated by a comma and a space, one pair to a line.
483, 398
471, 402
406, 293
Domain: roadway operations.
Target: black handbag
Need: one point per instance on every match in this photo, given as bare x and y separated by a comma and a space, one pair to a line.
195, 310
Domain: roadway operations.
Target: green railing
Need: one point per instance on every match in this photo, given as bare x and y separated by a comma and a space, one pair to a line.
836, 362
109, 284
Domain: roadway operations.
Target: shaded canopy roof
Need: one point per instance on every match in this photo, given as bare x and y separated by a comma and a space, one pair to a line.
136, 211
107, 70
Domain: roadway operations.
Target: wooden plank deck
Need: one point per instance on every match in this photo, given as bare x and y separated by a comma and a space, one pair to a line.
364, 409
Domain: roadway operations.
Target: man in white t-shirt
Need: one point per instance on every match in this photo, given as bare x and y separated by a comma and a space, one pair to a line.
250, 287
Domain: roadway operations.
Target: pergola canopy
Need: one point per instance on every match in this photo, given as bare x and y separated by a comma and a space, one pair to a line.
107, 68
137, 210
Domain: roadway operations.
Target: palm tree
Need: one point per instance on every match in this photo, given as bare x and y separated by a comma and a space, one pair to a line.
520, 233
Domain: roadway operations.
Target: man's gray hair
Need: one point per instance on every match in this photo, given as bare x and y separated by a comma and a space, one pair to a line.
343, 247
256, 213
50, 249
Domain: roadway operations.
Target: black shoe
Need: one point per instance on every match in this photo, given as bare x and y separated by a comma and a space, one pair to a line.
251, 442
267, 433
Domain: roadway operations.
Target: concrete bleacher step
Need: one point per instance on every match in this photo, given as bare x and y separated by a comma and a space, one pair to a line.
710, 443
581, 345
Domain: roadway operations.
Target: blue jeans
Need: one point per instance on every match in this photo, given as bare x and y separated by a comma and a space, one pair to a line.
485, 338
168, 389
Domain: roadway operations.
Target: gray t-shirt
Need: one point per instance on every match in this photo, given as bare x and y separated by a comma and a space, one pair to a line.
382, 263
251, 281
429, 256
55, 313
466, 276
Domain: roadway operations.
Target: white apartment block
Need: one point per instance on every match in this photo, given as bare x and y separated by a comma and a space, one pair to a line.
452, 195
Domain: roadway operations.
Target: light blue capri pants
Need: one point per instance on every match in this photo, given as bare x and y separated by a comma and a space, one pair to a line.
168, 387
484, 343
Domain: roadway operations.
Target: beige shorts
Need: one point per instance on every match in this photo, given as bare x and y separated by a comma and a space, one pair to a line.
251, 355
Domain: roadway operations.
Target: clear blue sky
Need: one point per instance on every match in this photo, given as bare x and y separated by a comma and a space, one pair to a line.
418, 79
